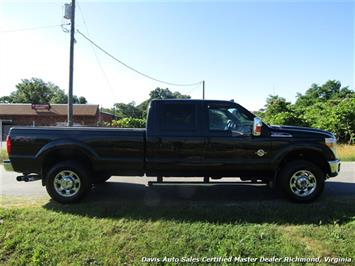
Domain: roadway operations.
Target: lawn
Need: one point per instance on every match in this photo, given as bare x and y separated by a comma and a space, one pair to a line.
3, 155
109, 232
346, 152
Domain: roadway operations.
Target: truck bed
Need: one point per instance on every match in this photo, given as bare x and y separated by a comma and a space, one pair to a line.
120, 150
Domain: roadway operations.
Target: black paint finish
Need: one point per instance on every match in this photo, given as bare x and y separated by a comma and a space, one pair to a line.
163, 151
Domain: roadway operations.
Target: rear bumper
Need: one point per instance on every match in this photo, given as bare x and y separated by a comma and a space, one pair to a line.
8, 165
334, 167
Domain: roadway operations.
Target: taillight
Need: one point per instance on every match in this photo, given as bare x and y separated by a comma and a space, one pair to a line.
8, 144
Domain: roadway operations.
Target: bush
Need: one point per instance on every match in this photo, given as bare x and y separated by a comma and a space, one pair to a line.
129, 122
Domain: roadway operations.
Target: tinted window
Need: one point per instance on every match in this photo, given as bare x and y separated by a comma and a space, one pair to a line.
178, 117
226, 119
217, 119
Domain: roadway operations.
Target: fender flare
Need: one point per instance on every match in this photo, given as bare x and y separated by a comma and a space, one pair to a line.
281, 155
300, 147
67, 144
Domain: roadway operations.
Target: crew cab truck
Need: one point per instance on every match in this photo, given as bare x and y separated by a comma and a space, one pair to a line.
183, 138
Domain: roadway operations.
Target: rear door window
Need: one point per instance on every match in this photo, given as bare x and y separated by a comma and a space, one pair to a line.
178, 117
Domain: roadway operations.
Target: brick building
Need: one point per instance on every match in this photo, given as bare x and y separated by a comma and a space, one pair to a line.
50, 115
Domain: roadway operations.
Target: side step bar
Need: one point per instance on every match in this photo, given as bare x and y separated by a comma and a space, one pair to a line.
205, 181
28, 178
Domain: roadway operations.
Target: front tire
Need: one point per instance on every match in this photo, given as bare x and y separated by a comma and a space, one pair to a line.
301, 181
67, 182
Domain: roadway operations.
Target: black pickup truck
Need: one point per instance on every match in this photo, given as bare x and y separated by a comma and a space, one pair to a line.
183, 138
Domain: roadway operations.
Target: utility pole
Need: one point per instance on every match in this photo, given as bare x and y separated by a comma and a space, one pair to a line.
71, 65
203, 89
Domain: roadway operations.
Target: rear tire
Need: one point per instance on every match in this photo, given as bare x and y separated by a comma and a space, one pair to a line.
301, 181
67, 182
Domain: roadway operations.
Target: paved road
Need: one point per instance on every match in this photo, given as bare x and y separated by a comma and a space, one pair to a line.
342, 185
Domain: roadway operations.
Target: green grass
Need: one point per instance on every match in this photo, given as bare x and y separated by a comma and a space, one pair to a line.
118, 233
3, 155
346, 152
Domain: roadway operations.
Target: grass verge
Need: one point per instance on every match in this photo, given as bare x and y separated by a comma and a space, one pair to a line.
346, 152
3, 155
122, 233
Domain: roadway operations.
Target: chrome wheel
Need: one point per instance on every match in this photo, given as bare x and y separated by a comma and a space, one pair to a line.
67, 183
303, 183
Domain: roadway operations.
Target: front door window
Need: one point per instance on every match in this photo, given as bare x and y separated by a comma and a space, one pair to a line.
229, 119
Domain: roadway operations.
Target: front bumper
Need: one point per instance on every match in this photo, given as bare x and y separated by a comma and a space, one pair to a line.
8, 165
334, 167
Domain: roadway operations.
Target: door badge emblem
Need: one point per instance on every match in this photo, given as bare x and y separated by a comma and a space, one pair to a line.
260, 152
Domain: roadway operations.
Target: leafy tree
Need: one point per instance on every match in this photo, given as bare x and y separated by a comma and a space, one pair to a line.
160, 93
279, 112
127, 110
345, 112
321, 115
132, 115
331, 90
329, 106
37, 91
123, 110
59, 96
80, 100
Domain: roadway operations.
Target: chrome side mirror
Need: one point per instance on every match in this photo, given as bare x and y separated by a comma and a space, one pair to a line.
257, 125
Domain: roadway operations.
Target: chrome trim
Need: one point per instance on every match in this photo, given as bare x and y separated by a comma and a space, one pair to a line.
260, 152
330, 140
331, 144
8, 166
334, 167
67, 183
303, 183
257, 123
281, 135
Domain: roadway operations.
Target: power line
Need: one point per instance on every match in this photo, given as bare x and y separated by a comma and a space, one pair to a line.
33, 28
135, 70
198, 86
94, 51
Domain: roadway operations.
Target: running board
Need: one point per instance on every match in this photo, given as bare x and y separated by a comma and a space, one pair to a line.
205, 181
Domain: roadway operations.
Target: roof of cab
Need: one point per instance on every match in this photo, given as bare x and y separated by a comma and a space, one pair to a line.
192, 100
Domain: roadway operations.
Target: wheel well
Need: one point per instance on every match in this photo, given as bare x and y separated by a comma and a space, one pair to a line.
308, 155
60, 155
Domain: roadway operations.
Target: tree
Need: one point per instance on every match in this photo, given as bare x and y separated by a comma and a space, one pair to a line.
329, 106
161, 94
37, 91
331, 90
80, 100
127, 110
132, 115
279, 112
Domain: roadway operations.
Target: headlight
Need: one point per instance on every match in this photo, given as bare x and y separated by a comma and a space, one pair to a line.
332, 144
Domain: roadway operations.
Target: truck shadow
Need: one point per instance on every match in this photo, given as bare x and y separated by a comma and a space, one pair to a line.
216, 204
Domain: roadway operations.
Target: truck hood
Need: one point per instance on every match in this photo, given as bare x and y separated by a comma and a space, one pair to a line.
299, 131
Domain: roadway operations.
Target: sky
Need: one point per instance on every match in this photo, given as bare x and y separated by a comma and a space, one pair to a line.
244, 50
